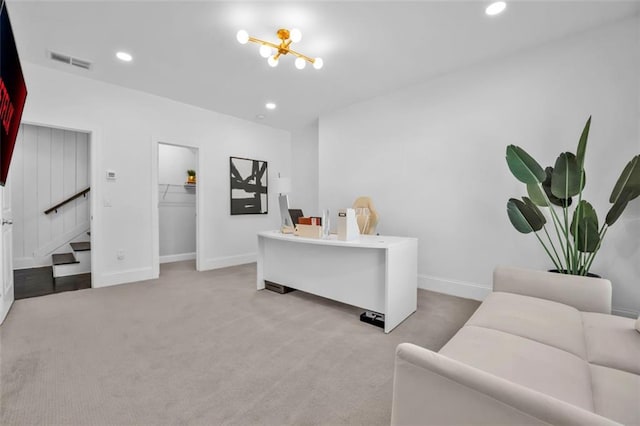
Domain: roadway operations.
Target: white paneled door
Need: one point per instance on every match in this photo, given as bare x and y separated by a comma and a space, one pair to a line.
6, 265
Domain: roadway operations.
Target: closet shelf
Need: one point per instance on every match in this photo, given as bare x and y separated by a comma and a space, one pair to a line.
186, 188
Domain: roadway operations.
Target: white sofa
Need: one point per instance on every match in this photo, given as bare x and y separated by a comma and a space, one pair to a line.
541, 349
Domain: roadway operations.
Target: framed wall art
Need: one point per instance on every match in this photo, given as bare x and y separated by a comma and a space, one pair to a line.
248, 186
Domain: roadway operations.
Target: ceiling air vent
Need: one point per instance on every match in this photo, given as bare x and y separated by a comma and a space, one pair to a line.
70, 60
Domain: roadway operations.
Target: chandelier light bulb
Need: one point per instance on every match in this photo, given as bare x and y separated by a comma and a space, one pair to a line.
295, 35
265, 51
273, 51
495, 8
300, 63
242, 36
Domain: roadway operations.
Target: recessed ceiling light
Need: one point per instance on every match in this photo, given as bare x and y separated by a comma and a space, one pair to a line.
270, 105
124, 56
260, 116
495, 8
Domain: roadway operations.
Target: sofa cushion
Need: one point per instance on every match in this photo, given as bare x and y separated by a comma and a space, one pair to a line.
541, 320
616, 394
612, 342
529, 363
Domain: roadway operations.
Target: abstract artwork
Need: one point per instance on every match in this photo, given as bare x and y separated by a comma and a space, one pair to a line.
248, 186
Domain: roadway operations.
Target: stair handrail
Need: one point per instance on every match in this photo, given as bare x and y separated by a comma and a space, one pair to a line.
68, 200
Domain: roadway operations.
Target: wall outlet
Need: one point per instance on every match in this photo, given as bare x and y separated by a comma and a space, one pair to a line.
120, 254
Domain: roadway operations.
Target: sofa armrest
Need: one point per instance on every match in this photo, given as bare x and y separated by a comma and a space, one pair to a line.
591, 296
429, 388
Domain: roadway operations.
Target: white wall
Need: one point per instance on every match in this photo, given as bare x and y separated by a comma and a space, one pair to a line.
432, 156
304, 179
177, 203
173, 163
125, 127
48, 166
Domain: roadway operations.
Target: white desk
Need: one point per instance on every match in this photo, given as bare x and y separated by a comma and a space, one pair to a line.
376, 273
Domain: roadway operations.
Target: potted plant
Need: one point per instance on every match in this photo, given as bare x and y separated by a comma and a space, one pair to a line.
191, 176
578, 235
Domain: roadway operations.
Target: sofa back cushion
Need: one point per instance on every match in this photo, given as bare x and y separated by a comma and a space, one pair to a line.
583, 293
547, 322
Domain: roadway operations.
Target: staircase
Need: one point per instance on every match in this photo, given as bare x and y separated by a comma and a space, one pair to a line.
75, 263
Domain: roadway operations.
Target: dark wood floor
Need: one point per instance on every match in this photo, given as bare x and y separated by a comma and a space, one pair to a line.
39, 282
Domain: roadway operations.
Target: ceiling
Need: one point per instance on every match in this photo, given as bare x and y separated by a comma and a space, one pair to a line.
187, 51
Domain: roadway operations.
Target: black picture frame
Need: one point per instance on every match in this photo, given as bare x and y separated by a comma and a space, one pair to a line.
248, 186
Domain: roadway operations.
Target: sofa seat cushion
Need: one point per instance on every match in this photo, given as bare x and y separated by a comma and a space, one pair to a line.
616, 394
529, 363
612, 341
541, 320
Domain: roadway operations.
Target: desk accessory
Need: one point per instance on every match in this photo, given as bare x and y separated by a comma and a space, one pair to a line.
309, 231
373, 318
347, 225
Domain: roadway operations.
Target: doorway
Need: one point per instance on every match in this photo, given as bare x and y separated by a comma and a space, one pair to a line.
50, 188
177, 193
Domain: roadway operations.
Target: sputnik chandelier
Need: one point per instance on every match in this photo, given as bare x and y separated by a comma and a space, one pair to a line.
274, 51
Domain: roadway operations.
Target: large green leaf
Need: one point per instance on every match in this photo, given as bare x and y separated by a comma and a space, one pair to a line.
582, 144
523, 218
523, 166
628, 183
617, 209
585, 221
539, 220
535, 193
538, 197
566, 177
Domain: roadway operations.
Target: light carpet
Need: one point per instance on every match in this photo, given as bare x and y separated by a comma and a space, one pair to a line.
205, 348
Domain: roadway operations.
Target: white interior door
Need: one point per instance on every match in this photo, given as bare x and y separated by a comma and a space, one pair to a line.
6, 252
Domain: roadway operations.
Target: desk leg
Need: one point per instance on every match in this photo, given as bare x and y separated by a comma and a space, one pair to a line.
401, 283
260, 268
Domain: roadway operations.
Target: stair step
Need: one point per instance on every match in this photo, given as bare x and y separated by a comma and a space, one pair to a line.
63, 259
81, 246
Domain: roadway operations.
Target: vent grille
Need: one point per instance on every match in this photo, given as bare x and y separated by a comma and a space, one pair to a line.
69, 60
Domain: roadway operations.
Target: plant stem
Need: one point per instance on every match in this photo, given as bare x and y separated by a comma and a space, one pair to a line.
558, 267
578, 218
570, 260
554, 249
556, 224
603, 232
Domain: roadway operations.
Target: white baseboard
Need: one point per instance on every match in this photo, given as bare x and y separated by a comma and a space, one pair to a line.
224, 262
454, 288
123, 277
31, 262
623, 312
177, 257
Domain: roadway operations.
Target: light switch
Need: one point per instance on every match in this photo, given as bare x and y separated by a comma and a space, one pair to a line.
111, 175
